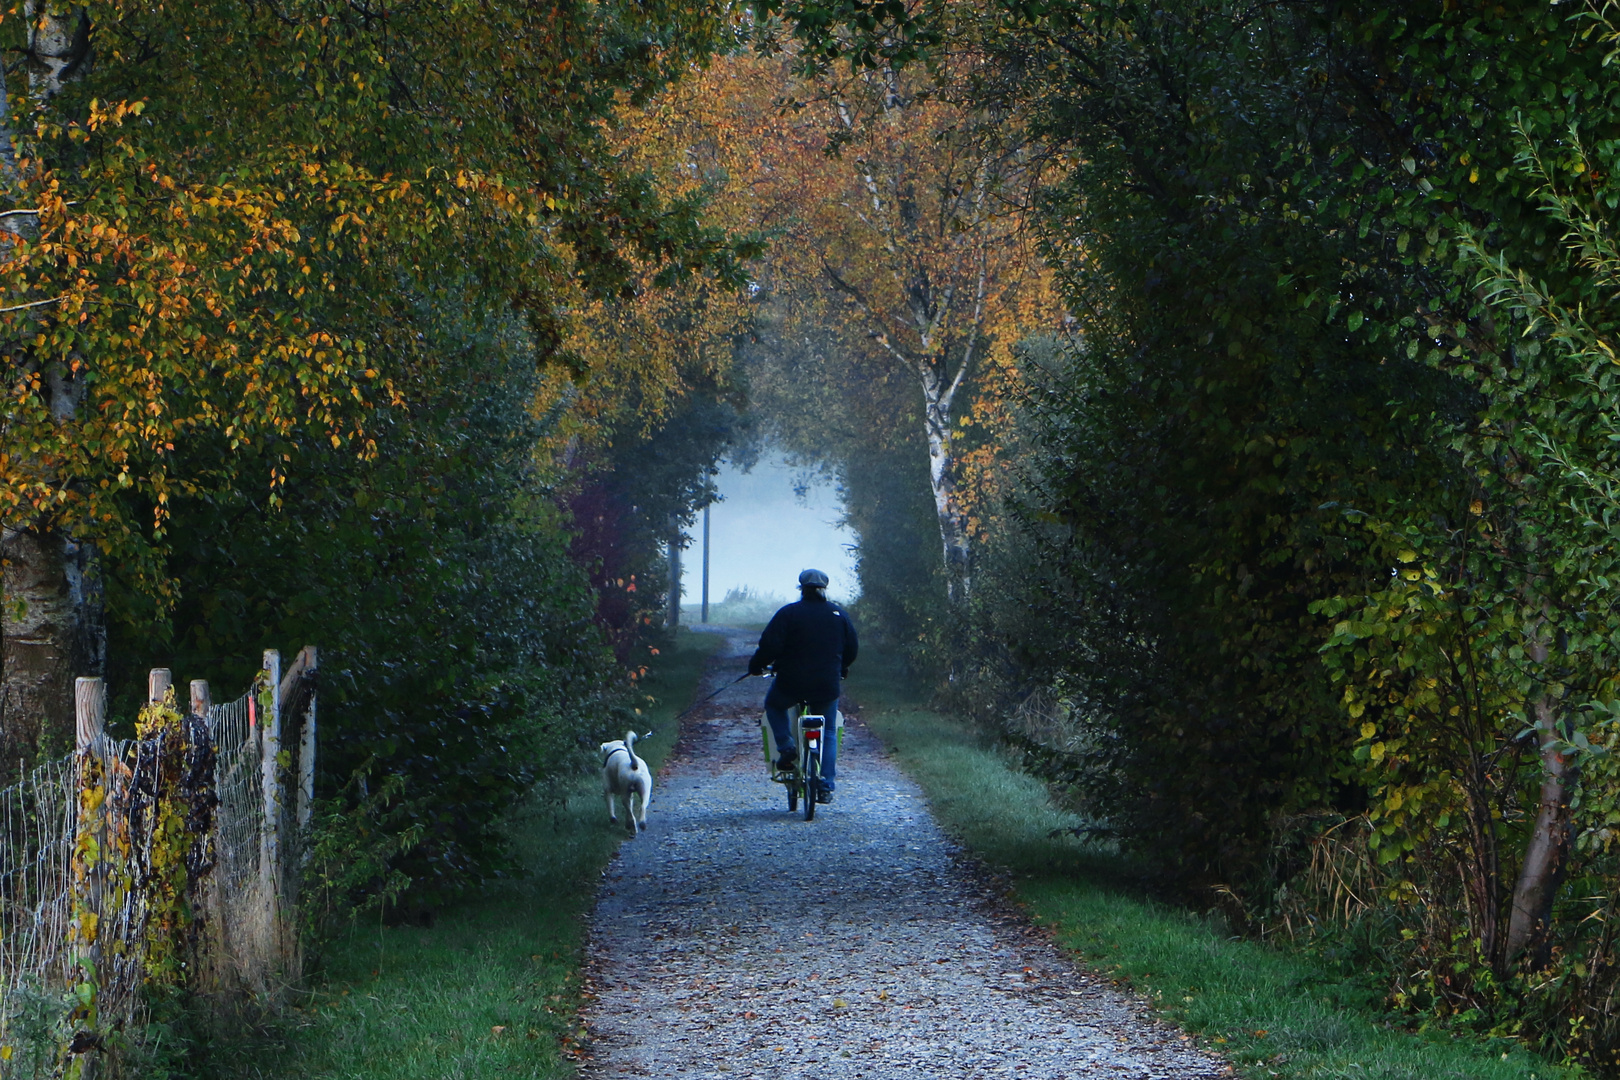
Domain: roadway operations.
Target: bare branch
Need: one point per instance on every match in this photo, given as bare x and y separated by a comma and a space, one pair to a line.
980, 293
35, 304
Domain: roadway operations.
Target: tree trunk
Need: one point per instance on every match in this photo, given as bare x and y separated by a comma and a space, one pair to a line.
953, 533
53, 632
52, 626
58, 46
673, 615
1544, 858
1545, 855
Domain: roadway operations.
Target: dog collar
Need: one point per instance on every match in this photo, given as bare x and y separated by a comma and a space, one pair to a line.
616, 750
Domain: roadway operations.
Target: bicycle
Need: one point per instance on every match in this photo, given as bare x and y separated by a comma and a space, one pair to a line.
803, 781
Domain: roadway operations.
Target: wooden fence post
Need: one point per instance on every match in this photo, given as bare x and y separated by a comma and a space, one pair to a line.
211, 963
90, 740
89, 713
302, 670
202, 702
290, 695
158, 681
270, 746
306, 743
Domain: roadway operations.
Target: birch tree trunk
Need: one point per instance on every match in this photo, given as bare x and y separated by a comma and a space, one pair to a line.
1545, 855
925, 293
53, 632
58, 46
953, 533
52, 627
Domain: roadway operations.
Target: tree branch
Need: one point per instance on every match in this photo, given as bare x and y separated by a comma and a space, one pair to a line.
35, 304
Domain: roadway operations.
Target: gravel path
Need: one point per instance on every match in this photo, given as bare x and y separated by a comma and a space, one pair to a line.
733, 939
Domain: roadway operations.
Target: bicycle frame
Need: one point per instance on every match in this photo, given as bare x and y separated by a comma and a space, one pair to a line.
811, 735
795, 720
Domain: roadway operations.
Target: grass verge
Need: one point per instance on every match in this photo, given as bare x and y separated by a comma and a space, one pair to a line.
492, 987
1270, 1011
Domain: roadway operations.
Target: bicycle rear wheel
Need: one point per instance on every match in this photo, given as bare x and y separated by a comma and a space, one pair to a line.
812, 785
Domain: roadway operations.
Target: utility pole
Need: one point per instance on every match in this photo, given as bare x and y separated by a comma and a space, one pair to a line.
705, 562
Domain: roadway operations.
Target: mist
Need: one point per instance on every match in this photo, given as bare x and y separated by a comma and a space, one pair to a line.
764, 531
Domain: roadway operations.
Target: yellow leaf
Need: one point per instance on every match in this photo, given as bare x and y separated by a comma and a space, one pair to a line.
1368, 730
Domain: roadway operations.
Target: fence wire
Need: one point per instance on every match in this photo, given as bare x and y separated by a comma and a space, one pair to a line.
37, 822
244, 934
241, 901
240, 786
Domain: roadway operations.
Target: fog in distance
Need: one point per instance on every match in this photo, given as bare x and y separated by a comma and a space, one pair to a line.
763, 532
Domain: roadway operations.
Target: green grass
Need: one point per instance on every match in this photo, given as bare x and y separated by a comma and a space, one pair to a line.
1271, 1011
492, 988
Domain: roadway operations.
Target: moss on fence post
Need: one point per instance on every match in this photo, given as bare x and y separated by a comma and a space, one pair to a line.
82, 1030
181, 755
89, 881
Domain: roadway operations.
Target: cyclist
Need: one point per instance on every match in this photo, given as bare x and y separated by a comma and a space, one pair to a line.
812, 643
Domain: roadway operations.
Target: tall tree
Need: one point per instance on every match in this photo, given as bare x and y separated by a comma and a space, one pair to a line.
52, 618
917, 233
898, 215
244, 264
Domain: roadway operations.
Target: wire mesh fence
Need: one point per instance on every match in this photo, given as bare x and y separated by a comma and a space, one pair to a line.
237, 898
250, 896
167, 859
37, 818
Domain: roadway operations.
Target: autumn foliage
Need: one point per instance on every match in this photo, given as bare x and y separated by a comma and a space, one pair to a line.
304, 305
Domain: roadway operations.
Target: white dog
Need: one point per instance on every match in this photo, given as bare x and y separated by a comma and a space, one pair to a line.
626, 775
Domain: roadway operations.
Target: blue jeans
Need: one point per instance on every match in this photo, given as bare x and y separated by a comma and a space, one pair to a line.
776, 711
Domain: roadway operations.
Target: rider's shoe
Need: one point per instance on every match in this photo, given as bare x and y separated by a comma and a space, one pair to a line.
787, 761
824, 796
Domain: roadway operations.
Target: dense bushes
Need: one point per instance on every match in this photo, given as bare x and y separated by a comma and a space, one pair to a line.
324, 370
481, 628
1314, 512
459, 649
1314, 521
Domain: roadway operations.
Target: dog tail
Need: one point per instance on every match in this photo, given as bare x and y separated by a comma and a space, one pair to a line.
630, 745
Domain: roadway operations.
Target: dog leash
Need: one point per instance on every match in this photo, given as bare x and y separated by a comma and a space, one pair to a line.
697, 704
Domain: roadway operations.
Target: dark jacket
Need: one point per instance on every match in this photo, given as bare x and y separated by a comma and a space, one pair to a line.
812, 643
